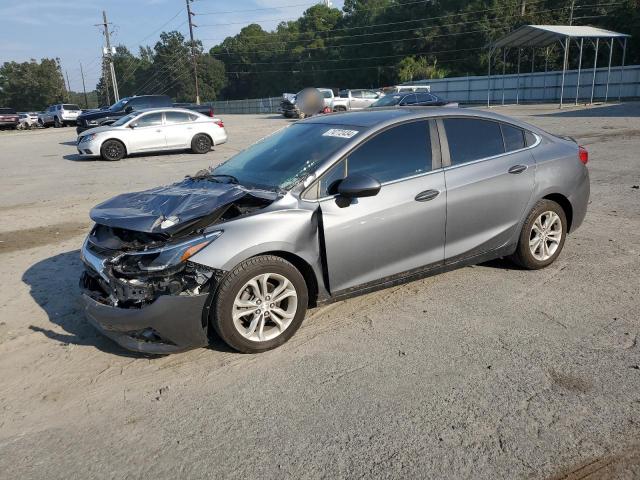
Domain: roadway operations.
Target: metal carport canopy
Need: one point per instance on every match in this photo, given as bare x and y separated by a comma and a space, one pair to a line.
543, 35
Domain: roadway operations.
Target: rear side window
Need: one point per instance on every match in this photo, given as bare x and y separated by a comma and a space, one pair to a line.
530, 138
176, 117
472, 139
424, 97
513, 137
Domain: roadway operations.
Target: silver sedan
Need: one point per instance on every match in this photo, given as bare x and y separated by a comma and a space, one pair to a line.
327, 208
153, 130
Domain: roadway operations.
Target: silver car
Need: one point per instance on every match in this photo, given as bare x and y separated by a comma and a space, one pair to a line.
327, 208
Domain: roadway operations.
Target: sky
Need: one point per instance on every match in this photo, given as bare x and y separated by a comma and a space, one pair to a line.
66, 28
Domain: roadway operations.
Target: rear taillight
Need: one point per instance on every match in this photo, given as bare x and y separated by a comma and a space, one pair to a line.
583, 155
210, 112
219, 123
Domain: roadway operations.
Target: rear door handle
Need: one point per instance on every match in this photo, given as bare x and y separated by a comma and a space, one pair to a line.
517, 169
427, 195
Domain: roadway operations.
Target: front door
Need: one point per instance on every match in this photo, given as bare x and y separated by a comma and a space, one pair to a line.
148, 133
489, 184
398, 230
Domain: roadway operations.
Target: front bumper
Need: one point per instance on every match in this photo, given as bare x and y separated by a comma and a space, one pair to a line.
89, 149
172, 323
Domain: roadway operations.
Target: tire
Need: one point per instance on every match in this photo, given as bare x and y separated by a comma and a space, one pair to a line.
340, 109
547, 222
57, 123
234, 289
201, 143
112, 150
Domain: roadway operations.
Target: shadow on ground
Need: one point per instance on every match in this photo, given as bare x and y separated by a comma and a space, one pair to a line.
53, 285
618, 110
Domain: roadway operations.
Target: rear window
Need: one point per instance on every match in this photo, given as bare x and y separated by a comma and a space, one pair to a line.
70, 106
7, 111
472, 139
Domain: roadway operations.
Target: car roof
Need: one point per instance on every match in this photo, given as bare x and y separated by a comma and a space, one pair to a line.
165, 109
381, 117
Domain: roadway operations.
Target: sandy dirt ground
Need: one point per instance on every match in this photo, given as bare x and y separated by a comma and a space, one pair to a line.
485, 372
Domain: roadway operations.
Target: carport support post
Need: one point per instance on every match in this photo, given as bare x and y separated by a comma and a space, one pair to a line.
606, 92
518, 79
579, 69
564, 68
624, 52
544, 79
595, 65
504, 66
489, 78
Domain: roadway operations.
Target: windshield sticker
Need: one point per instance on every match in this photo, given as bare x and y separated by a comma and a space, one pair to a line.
339, 132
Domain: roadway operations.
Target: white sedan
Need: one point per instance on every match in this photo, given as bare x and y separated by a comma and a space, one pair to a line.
153, 130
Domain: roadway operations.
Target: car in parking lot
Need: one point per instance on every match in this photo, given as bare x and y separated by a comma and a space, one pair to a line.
327, 208
354, 100
409, 99
27, 120
152, 130
8, 118
59, 115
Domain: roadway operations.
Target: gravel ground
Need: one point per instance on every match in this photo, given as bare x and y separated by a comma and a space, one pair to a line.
485, 372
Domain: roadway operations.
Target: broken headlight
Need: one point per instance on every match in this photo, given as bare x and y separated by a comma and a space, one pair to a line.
163, 258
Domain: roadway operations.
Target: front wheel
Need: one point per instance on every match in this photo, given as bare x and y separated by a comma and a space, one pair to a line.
112, 150
542, 237
201, 143
260, 304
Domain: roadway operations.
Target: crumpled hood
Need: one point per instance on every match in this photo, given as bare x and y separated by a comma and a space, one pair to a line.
172, 208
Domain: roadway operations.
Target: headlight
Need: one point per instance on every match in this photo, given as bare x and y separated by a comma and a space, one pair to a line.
159, 259
88, 138
92, 122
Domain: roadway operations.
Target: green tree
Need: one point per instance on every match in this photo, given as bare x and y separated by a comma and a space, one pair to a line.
411, 69
31, 85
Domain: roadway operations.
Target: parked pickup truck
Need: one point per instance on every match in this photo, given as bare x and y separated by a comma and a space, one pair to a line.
354, 100
99, 118
289, 107
8, 118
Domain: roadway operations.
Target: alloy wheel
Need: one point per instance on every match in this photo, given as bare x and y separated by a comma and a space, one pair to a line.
265, 307
545, 236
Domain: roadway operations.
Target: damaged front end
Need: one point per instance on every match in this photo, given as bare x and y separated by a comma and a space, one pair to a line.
139, 286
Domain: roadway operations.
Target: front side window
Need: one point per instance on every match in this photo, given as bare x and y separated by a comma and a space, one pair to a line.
176, 117
396, 153
472, 139
150, 120
369, 94
409, 100
425, 98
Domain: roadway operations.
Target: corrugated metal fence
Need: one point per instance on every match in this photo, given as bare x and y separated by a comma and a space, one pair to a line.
524, 88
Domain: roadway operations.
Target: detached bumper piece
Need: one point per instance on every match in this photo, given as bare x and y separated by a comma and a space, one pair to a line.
172, 323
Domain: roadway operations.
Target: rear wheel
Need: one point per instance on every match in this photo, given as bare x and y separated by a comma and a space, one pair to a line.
260, 304
201, 143
542, 237
57, 123
112, 150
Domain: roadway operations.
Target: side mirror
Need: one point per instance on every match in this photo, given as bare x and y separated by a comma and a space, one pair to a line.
128, 109
133, 125
359, 185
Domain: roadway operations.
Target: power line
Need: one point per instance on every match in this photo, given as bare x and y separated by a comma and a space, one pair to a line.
259, 9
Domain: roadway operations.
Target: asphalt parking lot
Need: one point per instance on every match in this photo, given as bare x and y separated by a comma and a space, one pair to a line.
484, 372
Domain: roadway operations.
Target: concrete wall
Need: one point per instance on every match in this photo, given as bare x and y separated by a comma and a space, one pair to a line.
526, 88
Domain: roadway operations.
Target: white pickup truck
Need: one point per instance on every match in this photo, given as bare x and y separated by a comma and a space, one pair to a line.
354, 100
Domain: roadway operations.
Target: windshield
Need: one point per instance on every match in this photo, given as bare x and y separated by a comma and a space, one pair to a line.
125, 119
387, 101
280, 160
118, 107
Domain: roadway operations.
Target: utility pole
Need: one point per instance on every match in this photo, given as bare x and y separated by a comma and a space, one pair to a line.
573, 3
523, 8
194, 61
68, 86
84, 88
109, 57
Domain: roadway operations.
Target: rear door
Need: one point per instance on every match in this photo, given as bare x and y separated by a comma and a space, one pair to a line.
402, 227
355, 100
148, 133
489, 174
178, 129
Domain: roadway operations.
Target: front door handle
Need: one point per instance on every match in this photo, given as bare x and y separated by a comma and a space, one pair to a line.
517, 169
427, 195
